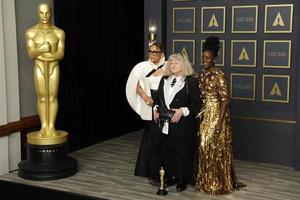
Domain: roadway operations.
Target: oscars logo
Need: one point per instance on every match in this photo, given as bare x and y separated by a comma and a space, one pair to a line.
278, 20
213, 22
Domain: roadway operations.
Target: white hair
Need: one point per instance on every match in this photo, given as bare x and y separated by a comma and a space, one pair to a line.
186, 66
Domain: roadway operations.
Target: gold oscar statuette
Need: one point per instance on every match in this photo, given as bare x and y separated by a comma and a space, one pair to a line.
45, 46
47, 149
162, 189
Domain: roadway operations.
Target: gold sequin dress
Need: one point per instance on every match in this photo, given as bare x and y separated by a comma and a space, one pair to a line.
215, 169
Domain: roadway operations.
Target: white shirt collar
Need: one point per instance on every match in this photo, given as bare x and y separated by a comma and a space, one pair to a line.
177, 78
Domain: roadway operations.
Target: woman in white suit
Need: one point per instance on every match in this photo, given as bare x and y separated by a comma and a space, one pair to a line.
141, 93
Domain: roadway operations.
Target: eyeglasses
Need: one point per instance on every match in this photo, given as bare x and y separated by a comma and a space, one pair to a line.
154, 52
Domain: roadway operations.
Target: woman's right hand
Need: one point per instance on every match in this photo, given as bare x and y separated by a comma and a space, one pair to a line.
148, 100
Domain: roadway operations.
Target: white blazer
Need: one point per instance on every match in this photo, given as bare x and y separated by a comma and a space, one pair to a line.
138, 74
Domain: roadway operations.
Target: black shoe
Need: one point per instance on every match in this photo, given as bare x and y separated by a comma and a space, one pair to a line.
180, 187
171, 181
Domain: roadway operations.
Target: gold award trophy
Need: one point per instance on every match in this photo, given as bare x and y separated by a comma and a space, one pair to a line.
48, 147
162, 189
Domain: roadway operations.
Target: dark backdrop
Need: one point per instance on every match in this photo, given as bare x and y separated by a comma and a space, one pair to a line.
104, 40
262, 131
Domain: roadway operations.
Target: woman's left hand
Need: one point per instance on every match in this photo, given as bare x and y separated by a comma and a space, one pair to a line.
218, 128
155, 115
176, 117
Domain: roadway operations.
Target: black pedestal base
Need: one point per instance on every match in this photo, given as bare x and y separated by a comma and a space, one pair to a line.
47, 162
162, 192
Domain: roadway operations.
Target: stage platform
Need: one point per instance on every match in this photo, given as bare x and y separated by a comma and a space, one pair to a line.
106, 172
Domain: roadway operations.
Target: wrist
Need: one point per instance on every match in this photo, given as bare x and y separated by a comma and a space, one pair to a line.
185, 111
181, 111
144, 96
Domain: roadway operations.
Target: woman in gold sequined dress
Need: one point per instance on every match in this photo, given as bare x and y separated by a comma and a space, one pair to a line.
215, 173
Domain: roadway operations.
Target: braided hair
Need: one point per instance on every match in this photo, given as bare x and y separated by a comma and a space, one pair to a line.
211, 44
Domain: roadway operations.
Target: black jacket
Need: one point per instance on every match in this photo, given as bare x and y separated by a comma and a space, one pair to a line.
188, 96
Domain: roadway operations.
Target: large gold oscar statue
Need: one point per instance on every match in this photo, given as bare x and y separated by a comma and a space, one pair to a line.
47, 149
45, 45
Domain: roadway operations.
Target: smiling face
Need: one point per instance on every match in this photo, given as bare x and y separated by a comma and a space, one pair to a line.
44, 13
176, 66
155, 54
208, 59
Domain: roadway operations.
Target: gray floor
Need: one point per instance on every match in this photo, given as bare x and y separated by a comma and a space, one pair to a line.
106, 170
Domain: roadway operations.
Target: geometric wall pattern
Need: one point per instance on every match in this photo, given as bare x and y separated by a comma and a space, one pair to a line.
259, 55
250, 42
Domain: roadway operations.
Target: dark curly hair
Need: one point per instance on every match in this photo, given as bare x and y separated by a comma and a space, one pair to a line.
211, 44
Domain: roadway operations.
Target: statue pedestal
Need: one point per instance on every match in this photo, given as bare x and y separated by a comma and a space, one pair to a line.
47, 162
162, 192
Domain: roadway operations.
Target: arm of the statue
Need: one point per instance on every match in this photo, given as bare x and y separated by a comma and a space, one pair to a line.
33, 50
59, 54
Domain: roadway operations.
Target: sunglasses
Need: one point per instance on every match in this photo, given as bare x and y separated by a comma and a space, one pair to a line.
154, 52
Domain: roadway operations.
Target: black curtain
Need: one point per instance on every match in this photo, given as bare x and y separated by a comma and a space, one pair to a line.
104, 40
